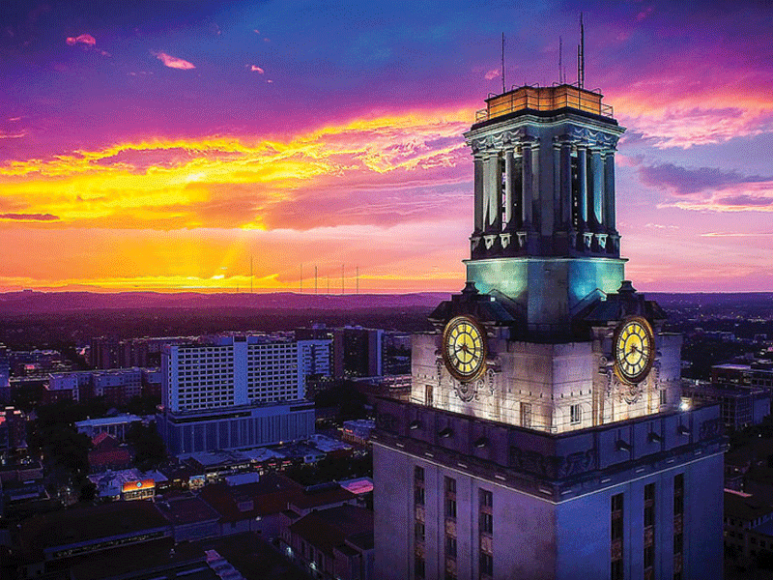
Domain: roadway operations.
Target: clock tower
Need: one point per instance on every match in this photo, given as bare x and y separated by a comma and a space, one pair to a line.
569, 344
545, 436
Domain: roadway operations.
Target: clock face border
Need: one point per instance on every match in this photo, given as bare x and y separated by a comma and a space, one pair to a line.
450, 366
638, 377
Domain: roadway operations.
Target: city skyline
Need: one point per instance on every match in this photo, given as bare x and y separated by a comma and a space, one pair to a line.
178, 145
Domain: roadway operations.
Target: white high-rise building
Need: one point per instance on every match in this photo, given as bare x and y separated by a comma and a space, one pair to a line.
238, 391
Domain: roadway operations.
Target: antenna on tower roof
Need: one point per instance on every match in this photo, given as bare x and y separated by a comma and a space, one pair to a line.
560, 59
503, 62
581, 57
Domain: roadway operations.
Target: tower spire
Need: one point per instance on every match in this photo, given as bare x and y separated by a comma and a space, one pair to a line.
503, 62
581, 57
560, 59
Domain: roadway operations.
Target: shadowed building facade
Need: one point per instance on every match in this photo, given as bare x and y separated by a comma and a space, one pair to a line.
545, 437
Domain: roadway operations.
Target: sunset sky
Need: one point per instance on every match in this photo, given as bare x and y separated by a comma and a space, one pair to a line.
162, 145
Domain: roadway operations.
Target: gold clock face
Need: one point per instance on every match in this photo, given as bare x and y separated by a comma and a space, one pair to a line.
464, 348
634, 345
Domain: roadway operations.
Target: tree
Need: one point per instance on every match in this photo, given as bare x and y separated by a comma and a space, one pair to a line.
149, 448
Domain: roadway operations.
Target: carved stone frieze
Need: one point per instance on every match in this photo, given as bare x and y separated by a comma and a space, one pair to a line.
497, 141
552, 466
589, 137
711, 428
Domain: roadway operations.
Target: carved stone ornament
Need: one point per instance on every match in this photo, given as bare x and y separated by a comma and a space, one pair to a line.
655, 374
466, 391
608, 377
490, 374
630, 393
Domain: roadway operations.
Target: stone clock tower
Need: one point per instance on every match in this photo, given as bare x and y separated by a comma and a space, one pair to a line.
545, 436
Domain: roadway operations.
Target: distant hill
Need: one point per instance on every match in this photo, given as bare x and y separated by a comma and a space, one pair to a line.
713, 300
29, 302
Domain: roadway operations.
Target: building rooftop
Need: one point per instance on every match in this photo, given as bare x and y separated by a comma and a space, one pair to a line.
85, 525
103, 421
186, 509
270, 495
330, 529
536, 98
321, 495
745, 506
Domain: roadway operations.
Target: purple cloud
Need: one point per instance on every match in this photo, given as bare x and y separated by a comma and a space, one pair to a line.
38, 217
684, 181
745, 200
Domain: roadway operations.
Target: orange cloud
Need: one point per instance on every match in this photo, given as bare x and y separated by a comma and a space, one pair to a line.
384, 170
173, 62
86, 39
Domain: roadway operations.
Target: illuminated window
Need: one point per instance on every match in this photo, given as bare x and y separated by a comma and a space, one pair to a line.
575, 413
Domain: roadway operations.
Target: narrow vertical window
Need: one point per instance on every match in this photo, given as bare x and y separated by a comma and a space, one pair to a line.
486, 527
678, 525
450, 528
526, 415
616, 551
649, 531
450, 498
419, 529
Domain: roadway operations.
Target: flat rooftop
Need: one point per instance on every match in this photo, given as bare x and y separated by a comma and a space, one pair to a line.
536, 98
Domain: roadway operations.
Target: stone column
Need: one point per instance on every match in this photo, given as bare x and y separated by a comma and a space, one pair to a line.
479, 166
536, 212
508, 217
609, 191
527, 185
582, 178
493, 198
566, 186
558, 209
597, 203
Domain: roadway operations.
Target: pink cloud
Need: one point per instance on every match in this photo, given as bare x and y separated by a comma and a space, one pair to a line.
256, 69
492, 74
41, 217
86, 39
173, 62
